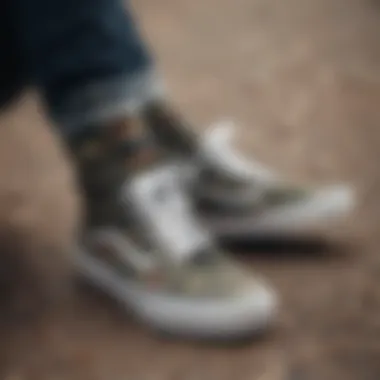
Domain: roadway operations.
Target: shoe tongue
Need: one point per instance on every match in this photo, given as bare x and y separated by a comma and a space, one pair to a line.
165, 213
218, 152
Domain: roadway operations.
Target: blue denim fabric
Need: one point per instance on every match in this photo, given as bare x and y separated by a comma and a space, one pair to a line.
82, 55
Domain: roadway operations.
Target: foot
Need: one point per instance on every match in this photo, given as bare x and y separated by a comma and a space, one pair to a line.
145, 247
242, 199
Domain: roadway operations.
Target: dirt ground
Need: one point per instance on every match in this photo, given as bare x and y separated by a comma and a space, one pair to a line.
302, 79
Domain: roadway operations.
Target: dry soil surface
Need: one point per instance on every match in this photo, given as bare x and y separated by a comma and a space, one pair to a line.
302, 79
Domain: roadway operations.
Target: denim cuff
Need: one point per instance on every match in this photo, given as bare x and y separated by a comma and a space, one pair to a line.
97, 103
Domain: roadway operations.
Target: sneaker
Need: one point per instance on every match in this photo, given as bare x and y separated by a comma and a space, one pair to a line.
240, 198
145, 247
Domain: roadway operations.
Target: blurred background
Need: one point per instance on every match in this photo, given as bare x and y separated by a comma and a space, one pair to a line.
302, 79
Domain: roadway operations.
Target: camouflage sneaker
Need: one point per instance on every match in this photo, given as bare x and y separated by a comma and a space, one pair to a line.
145, 247
240, 198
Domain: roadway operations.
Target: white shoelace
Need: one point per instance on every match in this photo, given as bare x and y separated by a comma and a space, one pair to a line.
216, 148
166, 212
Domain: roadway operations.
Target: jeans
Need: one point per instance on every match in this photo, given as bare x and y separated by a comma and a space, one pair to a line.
86, 58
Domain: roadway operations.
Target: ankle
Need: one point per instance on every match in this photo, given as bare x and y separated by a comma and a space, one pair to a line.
171, 128
125, 137
104, 157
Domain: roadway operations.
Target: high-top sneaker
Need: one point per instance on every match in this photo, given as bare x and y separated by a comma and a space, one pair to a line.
145, 246
240, 198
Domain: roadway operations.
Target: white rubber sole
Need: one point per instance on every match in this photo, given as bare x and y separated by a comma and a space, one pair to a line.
328, 207
220, 319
